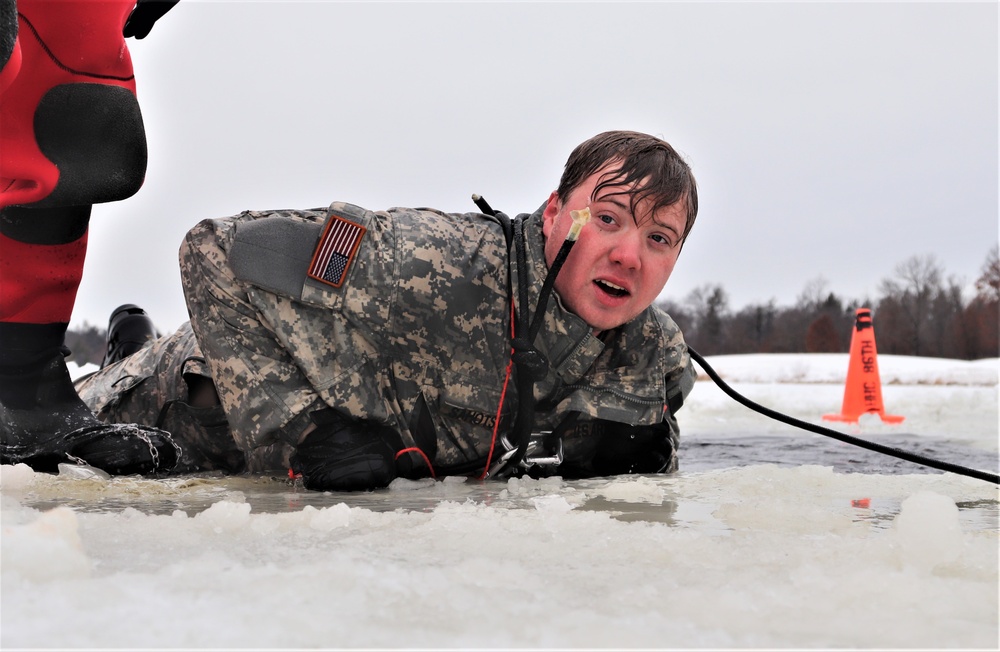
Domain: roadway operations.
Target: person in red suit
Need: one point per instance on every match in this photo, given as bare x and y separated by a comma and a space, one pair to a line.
71, 135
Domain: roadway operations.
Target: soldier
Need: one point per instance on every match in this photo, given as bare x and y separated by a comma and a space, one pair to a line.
353, 346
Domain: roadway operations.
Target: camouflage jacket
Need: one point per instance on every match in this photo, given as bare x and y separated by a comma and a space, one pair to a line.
405, 321
416, 333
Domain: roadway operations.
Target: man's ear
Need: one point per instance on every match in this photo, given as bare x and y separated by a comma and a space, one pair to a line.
552, 208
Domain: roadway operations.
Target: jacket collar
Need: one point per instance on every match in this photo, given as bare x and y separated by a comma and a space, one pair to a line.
564, 338
570, 346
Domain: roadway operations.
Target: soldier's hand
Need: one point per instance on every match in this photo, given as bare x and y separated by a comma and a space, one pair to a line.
342, 454
627, 449
145, 13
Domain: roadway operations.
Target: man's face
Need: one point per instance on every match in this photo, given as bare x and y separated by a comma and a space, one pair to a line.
621, 261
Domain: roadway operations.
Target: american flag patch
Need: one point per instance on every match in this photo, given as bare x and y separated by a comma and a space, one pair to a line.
336, 250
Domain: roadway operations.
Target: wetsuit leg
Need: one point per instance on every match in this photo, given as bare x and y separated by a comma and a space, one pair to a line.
71, 135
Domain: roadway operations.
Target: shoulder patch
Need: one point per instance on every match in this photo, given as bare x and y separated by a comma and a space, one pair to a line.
335, 250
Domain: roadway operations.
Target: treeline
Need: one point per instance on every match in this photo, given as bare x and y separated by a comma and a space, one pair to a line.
86, 344
917, 312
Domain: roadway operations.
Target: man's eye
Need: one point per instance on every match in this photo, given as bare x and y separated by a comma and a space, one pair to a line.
607, 219
661, 239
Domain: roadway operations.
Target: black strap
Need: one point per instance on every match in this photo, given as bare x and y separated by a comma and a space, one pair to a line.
530, 364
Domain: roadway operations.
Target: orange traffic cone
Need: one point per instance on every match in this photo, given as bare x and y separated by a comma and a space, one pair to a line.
863, 392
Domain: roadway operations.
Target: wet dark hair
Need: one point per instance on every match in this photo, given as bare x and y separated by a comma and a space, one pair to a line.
657, 170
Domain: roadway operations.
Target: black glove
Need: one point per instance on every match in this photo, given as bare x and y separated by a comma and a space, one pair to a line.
146, 12
634, 449
343, 454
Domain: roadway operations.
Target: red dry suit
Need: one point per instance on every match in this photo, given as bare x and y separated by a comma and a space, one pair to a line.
71, 135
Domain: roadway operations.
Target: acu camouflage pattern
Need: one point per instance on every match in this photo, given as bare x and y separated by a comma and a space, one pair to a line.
151, 387
416, 338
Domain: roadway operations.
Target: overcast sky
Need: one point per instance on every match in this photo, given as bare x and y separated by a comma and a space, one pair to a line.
830, 140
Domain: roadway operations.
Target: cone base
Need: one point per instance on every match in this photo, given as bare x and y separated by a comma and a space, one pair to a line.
853, 418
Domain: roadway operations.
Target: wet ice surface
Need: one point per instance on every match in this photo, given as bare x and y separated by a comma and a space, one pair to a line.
718, 452
768, 537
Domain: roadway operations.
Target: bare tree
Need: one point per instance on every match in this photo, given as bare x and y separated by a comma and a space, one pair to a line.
982, 316
813, 294
988, 284
947, 333
709, 306
751, 330
906, 303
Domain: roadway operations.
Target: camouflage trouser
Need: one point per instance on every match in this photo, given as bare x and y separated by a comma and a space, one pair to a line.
150, 387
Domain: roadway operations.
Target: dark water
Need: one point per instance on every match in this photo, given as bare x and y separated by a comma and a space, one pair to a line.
718, 452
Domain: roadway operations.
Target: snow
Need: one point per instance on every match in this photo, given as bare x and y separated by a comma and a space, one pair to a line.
747, 555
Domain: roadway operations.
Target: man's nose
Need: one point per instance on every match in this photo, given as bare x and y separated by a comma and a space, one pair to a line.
626, 251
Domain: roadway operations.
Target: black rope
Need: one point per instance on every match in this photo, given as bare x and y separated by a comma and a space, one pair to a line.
827, 432
547, 284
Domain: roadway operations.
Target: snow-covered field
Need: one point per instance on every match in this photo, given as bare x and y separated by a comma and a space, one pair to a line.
778, 544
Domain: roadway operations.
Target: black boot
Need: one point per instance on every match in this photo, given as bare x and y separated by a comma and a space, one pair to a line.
128, 331
43, 422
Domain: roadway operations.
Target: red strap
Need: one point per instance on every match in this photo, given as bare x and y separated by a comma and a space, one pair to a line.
419, 452
503, 395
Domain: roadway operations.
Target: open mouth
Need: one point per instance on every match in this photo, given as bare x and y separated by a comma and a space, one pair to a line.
611, 288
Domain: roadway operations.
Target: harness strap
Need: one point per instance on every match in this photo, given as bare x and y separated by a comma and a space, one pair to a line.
530, 363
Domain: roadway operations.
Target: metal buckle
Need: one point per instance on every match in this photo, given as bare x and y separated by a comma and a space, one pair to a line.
537, 445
